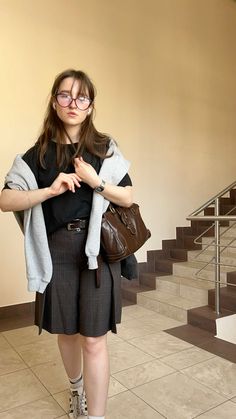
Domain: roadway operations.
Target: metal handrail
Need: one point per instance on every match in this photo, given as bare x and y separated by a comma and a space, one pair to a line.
216, 218
212, 217
212, 200
196, 241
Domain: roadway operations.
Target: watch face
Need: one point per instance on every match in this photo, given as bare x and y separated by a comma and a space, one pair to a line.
100, 188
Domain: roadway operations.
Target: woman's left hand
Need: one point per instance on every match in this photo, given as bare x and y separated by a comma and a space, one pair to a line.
86, 172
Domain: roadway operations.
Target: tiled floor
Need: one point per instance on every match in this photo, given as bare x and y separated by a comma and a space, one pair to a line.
154, 374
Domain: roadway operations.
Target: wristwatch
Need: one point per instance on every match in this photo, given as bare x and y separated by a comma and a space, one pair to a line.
101, 187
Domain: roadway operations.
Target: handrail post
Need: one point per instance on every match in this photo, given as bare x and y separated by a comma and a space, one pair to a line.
217, 258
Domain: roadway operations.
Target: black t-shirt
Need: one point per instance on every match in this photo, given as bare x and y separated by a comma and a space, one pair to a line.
68, 206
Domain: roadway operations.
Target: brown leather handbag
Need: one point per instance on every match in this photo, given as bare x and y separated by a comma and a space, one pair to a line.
123, 232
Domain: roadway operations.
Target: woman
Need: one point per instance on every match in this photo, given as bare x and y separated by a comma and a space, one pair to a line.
77, 297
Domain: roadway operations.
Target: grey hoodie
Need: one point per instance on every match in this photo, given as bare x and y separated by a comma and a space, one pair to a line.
112, 171
37, 254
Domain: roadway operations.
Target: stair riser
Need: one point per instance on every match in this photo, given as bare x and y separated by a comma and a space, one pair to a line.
188, 243
202, 322
191, 293
163, 266
207, 257
227, 303
190, 272
224, 240
230, 230
194, 294
225, 252
180, 254
231, 278
129, 295
147, 281
163, 308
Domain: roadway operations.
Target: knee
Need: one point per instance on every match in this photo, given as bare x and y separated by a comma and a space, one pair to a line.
92, 346
68, 339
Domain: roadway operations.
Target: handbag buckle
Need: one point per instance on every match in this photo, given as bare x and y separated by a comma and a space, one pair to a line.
112, 209
71, 227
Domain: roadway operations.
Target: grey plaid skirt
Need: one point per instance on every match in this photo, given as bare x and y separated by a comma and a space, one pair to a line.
72, 302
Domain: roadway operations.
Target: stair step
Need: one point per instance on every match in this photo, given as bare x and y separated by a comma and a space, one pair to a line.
231, 278
228, 258
196, 231
231, 227
205, 317
190, 269
233, 195
231, 250
165, 265
148, 279
227, 298
192, 289
224, 240
179, 254
166, 304
225, 231
187, 242
130, 289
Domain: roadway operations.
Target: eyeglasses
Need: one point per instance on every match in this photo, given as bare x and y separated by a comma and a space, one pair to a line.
64, 100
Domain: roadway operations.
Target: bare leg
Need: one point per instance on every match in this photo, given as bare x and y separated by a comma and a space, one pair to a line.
70, 349
96, 373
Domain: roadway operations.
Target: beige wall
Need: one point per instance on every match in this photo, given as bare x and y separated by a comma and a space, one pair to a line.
165, 75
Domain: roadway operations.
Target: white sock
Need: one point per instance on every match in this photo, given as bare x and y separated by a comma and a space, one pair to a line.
96, 417
77, 384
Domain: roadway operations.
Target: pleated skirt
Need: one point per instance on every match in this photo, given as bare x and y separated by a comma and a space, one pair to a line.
72, 302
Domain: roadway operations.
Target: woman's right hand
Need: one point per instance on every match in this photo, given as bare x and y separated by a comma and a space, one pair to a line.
64, 182
19, 200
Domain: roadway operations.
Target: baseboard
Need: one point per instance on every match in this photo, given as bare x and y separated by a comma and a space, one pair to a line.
16, 316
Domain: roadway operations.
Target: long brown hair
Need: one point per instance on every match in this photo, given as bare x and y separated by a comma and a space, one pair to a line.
89, 138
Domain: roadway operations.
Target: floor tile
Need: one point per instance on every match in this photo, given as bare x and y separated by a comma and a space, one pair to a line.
19, 388
123, 356
176, 396
125, 317
39, 352
113, 338
160, 322
143, 373
52, 375
43, 408
10, 361
26, 335
186, 358
204, 386
115, 387
216, 373
3, 342
136, 311
127, 405
224, 411
132, 328
62, 399
126, 302
160, 344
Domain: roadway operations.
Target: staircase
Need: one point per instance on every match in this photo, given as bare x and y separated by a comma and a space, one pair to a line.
168, 283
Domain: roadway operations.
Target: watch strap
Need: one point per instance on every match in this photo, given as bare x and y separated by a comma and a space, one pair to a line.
101, 187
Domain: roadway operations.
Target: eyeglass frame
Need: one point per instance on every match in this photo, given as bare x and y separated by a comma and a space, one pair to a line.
73, 100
